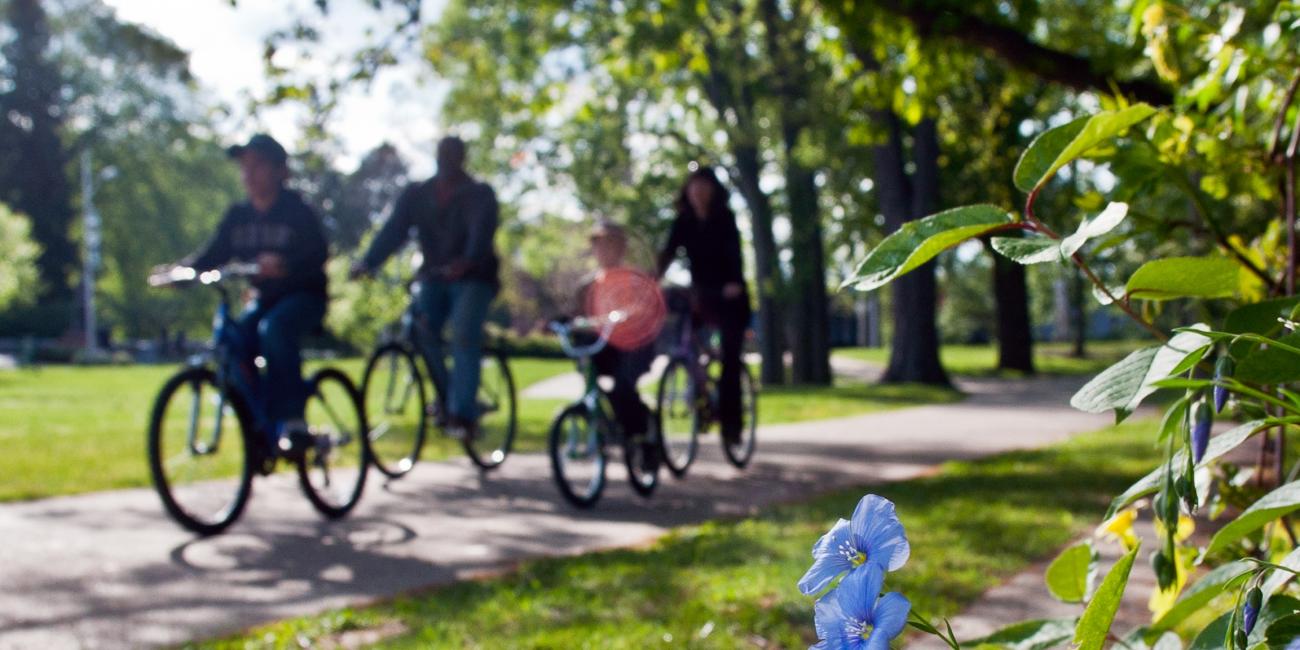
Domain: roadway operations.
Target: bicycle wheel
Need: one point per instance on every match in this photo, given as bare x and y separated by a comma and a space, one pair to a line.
679, 419
498, 417
395, 409
743, 450
199, 452
642, 454
577, 448
332, 471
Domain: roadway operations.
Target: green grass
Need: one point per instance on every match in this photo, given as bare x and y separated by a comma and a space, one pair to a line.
982, 360
970, 526
57, 421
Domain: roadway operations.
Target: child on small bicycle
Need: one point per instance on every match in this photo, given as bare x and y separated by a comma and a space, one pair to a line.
631, 349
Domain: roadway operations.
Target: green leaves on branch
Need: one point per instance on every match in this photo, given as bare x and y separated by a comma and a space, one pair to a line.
1219, 445
1036, 250
1095, 624
1277, 503
1070, 576
1185, 277
1123, 386
1039, 634
917, 242
1201, 593
1058, 147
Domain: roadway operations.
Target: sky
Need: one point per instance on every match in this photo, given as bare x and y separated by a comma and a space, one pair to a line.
226, 43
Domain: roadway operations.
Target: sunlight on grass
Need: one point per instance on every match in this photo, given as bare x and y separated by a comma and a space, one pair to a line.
732, 584
982, 360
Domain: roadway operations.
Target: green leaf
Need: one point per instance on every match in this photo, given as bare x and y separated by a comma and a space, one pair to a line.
1094, 227
1185, 277
1219, 445
1191, 360
1282, 632
917, 242
1278, 577
1039, 634
1257, 318
1202, 592
1038, 157
1211, 638
1277, 503
1271, 365
1123, 386
1028, 250
1057, 147
1276, 610
1070, 574
1094, 625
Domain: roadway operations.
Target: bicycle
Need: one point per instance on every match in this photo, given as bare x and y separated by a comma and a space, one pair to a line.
393, 392
687, 400
192, 454
581, 431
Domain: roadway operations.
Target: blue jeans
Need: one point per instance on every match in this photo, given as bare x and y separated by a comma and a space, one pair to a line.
274, 332
465, 303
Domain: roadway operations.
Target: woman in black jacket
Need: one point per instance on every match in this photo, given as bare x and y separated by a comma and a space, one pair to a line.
706, 228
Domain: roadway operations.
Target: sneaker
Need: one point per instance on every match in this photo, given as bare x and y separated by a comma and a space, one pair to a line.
438, 414
461, 429
294, 439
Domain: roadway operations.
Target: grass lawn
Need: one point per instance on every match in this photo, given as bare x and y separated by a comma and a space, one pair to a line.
982, 360
59, 422
728, 584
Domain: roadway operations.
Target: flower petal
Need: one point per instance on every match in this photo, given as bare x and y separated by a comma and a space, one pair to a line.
858, 591
890, 615
827, 561
828, 619
877, 530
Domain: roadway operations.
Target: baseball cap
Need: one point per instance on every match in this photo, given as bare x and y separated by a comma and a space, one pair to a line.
264, 146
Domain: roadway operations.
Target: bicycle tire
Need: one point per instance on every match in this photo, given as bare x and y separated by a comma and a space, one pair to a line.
642, 457
743, 451
498, 418
562, 445
678, 417
157, 452
405, 445
329, 433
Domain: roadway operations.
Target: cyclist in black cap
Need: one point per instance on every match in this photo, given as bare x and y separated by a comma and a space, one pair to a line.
276, 230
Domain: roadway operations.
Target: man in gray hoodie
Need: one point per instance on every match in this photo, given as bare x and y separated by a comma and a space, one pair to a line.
454, 217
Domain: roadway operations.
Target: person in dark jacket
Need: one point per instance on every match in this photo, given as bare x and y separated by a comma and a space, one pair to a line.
455, 219
276, 230
705, 228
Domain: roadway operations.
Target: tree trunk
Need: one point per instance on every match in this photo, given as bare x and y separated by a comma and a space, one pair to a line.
768, 279
810, 351
810, 343
1078, 313
914, 348
1015, 334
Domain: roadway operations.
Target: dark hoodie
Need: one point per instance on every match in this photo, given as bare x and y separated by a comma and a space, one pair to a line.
289, 229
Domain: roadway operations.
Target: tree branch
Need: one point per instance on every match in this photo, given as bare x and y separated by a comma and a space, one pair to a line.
944, 20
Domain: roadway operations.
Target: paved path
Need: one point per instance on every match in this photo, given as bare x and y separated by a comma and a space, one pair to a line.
570, 384
109, 570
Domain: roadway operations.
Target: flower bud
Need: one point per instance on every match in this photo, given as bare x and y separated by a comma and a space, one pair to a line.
1201, 430
1250, 612
1222, 368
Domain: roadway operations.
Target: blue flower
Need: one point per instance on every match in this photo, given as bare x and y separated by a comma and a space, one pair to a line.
856, 617
1222, 368
873, 537
1201, 431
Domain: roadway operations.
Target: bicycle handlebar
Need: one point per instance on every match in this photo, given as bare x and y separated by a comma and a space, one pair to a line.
178, 275
604, 325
